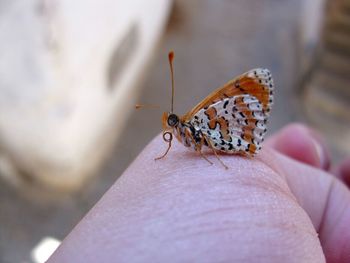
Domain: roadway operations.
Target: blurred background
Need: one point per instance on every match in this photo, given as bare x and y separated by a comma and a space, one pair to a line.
72, 71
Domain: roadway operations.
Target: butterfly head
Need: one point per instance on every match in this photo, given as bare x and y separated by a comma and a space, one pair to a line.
172, 120
169, 121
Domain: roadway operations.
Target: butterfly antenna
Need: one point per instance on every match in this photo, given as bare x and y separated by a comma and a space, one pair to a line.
171, 58
140, 106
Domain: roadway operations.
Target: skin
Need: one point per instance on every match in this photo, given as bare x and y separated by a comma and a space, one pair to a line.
282, 206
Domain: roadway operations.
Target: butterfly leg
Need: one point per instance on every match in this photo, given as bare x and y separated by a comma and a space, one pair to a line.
216, 154
205, 158
198, 145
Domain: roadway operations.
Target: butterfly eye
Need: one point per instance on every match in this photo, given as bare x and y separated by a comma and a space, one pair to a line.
167, 136
173, 120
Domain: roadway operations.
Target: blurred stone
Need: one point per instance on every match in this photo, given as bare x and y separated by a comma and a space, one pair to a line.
68, 77
310, 30
327, 89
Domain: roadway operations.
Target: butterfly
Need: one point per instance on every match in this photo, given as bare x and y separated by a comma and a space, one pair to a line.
232, 119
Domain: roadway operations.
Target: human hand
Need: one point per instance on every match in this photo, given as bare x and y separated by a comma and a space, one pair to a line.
281, 206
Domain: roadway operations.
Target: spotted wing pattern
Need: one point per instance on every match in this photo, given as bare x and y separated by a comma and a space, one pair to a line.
257, 82
237, 124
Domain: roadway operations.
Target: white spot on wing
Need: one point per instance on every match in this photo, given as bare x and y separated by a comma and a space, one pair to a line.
254, 123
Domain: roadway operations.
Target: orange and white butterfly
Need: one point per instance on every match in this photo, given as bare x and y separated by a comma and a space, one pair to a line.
232, 119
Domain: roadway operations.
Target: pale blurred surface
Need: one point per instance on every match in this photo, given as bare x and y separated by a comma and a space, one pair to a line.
213, 42
67, 69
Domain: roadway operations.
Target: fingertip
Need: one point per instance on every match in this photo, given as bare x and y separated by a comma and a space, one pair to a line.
343, 171
301, 143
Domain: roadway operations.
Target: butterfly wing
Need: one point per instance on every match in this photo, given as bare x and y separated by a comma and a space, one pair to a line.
256, 82
234, 117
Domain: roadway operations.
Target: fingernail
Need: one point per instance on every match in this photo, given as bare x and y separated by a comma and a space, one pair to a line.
321, 154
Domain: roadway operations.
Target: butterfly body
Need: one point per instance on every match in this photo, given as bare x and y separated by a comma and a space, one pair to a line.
232, 119
189, 135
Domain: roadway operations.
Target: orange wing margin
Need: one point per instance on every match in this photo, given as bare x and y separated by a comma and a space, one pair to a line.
256, 82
